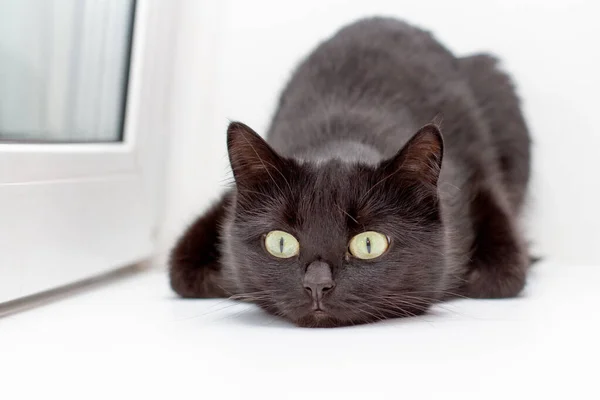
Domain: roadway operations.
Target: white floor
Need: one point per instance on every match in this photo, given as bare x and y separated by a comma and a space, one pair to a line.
133, 339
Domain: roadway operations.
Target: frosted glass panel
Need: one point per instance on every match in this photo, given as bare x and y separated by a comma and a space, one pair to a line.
64, 69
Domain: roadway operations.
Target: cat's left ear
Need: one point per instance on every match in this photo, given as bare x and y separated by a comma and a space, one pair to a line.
421, 157
252, 160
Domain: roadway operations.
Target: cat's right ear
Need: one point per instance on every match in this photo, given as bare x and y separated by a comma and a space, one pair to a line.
252, 160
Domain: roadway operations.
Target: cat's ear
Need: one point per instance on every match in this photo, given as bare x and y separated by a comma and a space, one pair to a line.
421, 157
252, 160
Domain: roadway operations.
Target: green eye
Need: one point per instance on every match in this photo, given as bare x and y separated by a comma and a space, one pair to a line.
281, 244
368, 245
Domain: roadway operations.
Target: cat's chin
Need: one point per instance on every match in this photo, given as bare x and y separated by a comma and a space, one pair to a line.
319, 319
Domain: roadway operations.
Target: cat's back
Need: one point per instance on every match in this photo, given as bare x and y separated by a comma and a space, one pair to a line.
374, 82
375, 58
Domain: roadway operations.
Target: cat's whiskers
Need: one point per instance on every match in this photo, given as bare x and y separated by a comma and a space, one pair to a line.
424, 301
395, 309
236, 300
382, 310
256, 296
211, 310
378, 317
350, 216
447, 292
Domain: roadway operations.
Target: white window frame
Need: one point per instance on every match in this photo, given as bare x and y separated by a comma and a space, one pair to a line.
72, 211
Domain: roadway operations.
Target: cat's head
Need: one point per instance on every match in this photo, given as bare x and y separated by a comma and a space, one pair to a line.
334, 243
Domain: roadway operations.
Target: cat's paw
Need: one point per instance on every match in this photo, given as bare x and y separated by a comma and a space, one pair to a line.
196, 282
495, 281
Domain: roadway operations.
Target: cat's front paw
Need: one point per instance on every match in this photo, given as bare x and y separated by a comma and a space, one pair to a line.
196, 281
495, 281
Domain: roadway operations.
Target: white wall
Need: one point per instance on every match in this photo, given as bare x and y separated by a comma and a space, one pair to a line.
235, 56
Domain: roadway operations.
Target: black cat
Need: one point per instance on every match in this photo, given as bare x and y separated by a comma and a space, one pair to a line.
356, 210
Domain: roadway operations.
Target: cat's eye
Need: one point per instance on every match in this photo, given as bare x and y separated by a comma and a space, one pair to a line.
281, 244
368, 245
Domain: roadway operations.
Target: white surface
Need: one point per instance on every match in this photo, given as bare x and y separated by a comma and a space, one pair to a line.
71, 211
234, 57
134, 339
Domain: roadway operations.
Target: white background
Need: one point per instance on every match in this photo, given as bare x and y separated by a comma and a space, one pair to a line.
234, 56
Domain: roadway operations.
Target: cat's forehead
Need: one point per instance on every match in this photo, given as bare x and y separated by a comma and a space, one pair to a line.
330, 191
334, 180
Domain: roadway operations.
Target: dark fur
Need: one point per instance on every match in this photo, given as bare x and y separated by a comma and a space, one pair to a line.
341, 160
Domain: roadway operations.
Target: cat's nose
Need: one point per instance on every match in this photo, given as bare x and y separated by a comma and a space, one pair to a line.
318, 280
